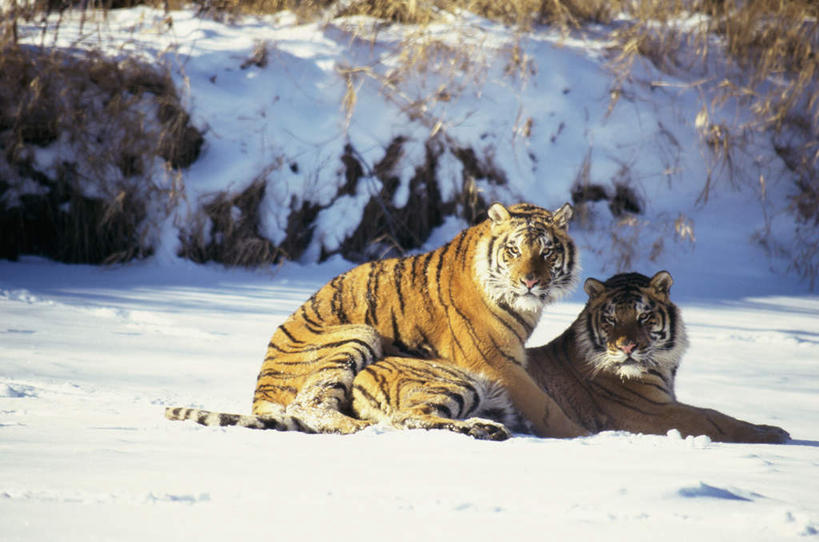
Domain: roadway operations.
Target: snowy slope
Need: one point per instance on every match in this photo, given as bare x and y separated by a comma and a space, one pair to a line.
89, 357
532, 106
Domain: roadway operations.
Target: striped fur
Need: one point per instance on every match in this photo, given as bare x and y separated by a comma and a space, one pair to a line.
470, 304
411, 393
206, 417
614, 368
631, 328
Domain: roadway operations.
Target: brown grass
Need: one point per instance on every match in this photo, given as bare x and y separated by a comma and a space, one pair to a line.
228, 231
524, 13
389, 230
91, 206
771, 71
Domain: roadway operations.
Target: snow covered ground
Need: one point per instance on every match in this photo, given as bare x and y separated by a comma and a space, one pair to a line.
89, 357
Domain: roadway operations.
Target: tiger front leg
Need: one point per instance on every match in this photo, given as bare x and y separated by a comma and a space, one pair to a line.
691, 420
542, 414
428, 418
409, 393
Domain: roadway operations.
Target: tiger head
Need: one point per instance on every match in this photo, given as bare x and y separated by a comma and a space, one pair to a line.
630, 327
528, 259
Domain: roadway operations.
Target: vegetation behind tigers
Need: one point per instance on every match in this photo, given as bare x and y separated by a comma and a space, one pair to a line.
767, 40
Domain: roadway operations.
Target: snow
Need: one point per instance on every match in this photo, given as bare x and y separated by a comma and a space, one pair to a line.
91, 356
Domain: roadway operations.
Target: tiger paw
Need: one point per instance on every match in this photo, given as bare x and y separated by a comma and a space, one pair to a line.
770, 434
484, 429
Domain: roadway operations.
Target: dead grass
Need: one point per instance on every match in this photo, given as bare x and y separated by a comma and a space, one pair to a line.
760, 57
523, 13
389, 229
772, 73
228, 231
91, 204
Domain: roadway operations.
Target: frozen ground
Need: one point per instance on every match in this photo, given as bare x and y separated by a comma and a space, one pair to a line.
90, 357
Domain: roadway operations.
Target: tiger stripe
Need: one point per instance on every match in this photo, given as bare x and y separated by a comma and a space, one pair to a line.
411, 393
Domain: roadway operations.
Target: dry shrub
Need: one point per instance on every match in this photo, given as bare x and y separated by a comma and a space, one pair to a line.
388, 230
761, 57
399, 11
67, 226
623, 235
94, 115
622, 199
769, 40
777, 46
229, 231
776, 43
220, 9
424, 72
772, 44
620, 243
523, 13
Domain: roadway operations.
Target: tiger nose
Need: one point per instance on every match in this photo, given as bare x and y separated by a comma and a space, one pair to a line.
626, 346
530, 281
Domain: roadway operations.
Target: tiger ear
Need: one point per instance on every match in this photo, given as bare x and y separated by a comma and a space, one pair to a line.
594, 287
562, 216
498, 213
661, 283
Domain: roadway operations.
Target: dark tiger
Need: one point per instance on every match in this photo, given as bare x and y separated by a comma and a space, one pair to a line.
471, 303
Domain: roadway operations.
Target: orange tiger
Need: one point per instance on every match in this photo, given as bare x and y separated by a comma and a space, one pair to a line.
469, 304
612, 369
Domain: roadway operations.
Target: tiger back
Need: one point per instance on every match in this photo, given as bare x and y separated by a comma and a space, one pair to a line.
470, 304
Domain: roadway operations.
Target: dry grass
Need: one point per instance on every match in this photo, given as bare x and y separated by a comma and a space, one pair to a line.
387, 229
761, 58
772, 70
90, 206
523, 13
228, 231
228, 228
773, 44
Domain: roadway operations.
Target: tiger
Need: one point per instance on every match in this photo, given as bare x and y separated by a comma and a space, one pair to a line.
613, 369
470, 304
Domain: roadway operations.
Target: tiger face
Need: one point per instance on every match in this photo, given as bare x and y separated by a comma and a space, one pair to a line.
531, 260
630, 327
